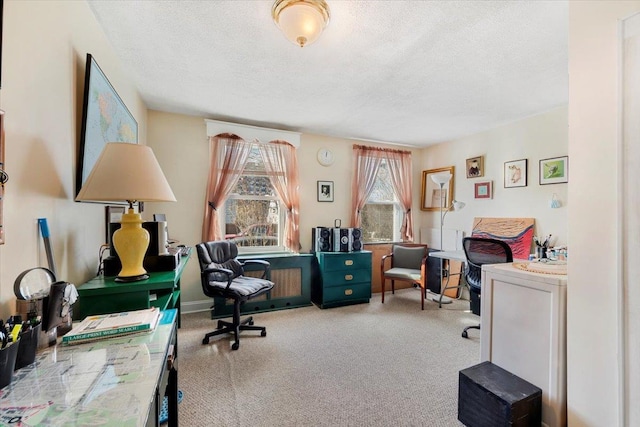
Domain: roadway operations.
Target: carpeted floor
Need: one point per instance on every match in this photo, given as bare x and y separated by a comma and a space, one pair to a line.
370, 364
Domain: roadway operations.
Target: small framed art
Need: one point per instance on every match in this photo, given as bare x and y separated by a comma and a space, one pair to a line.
483, 190
475, 167
325, 191
554, 170
515, 173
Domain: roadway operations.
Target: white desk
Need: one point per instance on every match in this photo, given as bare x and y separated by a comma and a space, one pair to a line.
524, 331
452, 256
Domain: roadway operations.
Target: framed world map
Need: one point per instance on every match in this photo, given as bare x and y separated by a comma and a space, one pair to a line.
105, 118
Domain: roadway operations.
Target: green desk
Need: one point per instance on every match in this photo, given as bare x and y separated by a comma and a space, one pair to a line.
102, 295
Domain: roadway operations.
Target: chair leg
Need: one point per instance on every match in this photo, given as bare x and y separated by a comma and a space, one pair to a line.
423, 295
393, 286
464, 332
235, 327
383, 286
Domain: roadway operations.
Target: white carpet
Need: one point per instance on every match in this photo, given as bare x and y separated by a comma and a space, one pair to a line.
361, 365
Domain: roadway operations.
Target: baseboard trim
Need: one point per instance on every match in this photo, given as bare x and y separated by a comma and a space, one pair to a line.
196, 306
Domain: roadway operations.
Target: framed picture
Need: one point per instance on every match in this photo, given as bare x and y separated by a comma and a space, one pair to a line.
1, 19
483, 190
475, 167
554, 170
325, 191
111, 214
4, 178
432, 195
515, 173
105, 118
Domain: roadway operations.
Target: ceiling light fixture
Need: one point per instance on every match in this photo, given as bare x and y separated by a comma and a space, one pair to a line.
301, 21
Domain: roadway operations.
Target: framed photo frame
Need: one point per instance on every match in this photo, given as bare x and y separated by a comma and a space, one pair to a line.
554, 170
431, 197
105, 118
515, 173
475, 167
325, 191
3, 176
111, 214
483, 190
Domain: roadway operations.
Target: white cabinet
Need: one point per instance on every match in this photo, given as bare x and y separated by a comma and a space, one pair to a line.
523, 318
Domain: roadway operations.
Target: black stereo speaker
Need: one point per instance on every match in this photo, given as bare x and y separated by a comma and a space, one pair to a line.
157, 237
356, 239
321, 239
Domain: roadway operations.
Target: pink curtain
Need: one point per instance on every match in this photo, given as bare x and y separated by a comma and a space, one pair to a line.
228, 154
400, 169
366, 161
282, 169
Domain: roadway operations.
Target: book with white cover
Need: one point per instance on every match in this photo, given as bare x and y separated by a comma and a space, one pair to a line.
112, 325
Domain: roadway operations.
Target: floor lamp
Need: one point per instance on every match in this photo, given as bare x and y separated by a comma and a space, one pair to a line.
440, 180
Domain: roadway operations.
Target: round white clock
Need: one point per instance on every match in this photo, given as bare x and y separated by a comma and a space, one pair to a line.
325, 156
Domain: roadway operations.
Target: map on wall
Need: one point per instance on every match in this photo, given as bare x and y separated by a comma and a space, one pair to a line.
105, 119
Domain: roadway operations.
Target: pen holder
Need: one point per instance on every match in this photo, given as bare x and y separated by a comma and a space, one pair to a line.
28, 346
7, 363
541, 252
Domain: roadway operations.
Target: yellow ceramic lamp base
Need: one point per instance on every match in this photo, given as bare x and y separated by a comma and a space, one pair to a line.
131, 242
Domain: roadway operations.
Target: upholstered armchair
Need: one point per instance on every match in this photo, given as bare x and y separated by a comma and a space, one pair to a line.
406, 263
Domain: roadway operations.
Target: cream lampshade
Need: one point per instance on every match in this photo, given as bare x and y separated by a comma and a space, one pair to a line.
131, 173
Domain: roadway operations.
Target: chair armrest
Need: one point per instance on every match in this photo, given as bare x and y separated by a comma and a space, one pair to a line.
382, 260
265, 264
423, 270
207, 271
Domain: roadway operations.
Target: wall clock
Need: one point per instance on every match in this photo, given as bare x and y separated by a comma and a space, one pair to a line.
325, 157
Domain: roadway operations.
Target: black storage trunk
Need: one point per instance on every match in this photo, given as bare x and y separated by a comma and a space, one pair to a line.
489, 396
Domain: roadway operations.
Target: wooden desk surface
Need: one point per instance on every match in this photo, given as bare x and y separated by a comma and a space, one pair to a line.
109, 382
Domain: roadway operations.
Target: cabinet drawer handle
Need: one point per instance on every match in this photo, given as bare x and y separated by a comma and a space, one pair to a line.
348, 262
348, 291
348, 277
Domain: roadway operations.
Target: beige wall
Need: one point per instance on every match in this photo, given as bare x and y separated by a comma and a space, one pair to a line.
593, 320
43, 60
534, 138
180, 143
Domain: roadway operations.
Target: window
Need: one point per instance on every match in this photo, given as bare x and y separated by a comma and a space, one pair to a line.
252, 212
381, 214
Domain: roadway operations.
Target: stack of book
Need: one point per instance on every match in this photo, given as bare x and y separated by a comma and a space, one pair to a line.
112, 325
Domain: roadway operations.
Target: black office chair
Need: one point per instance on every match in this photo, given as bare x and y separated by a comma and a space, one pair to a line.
481, 251
222, 276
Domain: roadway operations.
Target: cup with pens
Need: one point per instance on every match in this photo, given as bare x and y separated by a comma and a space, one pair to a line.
542, 246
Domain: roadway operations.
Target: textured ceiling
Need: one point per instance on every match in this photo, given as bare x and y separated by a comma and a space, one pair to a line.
406, 72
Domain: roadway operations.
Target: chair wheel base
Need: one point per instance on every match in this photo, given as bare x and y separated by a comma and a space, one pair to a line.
235, 346
263, 333
465, 334
205, 341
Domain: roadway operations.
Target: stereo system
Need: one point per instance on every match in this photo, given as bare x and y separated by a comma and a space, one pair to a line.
325, 239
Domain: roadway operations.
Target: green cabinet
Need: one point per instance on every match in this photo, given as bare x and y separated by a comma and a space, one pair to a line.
103, 294
341, 278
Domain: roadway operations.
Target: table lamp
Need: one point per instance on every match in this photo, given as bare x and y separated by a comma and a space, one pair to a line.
131, 173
